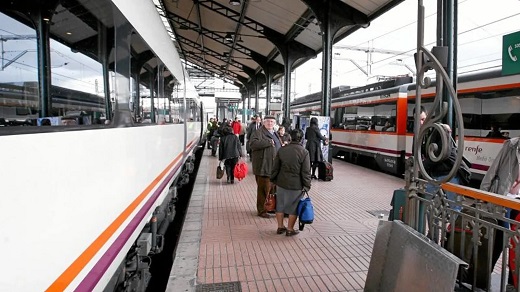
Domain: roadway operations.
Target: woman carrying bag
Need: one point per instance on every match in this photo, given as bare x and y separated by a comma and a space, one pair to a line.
291, 174
230, 150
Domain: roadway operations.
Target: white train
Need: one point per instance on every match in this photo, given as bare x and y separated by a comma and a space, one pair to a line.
359, 117
83, 207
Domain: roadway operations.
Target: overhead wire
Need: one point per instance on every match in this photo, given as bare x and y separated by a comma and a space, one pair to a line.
431, 43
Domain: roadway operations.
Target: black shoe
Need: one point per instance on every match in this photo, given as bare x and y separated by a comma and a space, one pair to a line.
232, 182
281, 230
313, 177
291, 232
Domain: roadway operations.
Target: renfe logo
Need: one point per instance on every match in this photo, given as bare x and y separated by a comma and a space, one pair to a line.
476, 150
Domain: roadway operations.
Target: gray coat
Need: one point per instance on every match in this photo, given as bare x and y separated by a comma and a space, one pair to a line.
292, 168
504, 171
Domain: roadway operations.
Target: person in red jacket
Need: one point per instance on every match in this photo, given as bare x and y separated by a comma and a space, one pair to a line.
236, 127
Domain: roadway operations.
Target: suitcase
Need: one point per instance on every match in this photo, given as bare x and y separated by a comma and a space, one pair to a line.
325, 171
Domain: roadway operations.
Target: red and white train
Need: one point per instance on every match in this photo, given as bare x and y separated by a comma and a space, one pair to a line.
375, 122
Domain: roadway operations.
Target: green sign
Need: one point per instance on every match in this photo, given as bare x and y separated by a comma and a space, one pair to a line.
511, 54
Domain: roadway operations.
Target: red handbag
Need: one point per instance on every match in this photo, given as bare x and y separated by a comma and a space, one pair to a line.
270, 203
240, 170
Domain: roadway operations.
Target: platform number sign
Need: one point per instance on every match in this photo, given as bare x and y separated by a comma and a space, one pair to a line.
511, 54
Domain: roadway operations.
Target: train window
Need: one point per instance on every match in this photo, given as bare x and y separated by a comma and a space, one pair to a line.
378, 116
177, 107
76, 78
19, 74
483, 110
427, 103
99, 66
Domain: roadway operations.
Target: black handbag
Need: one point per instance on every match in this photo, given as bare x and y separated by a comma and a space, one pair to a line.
220, 171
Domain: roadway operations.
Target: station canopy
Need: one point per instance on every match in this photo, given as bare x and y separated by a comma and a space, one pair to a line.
235, 40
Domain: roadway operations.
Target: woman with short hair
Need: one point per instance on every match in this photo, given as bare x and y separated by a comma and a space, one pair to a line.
291, 174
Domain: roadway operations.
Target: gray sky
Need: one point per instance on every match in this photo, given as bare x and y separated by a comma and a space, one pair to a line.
482, 23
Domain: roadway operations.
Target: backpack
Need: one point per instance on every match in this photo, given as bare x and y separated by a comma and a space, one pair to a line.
305, 211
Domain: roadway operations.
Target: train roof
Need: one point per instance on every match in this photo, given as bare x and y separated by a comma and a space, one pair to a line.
341, 91
390, 86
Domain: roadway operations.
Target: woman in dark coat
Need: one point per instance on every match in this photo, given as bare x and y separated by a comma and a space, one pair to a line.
291, 174
314, 138
230, 150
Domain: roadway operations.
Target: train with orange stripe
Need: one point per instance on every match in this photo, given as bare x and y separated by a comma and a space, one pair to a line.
85, 206
374, 124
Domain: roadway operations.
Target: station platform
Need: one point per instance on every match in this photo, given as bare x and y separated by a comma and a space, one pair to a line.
224, 245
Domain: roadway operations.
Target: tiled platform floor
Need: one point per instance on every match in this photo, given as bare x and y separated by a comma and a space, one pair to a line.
223, 240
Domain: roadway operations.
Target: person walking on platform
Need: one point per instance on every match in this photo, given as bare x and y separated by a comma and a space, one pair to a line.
214, 140
242, 134
256, 123
291, 174
229, 150
236, 125
209, 132
314, 138
264, 144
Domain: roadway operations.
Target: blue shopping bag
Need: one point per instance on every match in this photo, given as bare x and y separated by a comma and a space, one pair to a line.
305, 211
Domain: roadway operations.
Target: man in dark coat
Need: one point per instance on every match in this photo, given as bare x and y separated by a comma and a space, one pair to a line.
264, 145
256, 123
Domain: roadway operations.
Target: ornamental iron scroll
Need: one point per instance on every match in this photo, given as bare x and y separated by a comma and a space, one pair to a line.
426, 60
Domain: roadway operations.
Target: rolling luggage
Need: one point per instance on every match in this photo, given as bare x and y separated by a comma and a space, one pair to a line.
325, 171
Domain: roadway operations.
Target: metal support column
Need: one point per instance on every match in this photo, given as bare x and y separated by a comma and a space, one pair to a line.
137, 97
290, 51
449, 40
333, 16
257, 93
268, 80
44, 65
104, 54
326, 67
152, 93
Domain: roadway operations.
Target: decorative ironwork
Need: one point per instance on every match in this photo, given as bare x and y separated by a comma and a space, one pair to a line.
475, 230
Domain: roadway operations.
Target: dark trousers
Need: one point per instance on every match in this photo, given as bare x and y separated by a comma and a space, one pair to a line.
498, 243
208, 139
263, 188
230, 168
241, 139
314, 165
214, 145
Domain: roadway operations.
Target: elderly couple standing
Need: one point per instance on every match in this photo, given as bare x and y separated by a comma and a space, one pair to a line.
287, 167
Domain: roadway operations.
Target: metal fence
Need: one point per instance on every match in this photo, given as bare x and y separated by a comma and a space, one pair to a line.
476, 226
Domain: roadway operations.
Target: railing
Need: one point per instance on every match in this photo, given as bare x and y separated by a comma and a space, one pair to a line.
452, 225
